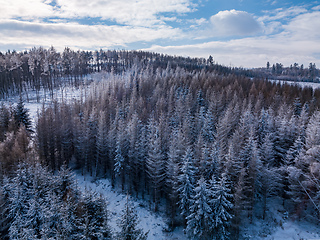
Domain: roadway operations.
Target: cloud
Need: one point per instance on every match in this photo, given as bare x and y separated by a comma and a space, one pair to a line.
305, 26
234, 23
76, 35
128, 12
298, 41
30, 9
283, 14
249, 52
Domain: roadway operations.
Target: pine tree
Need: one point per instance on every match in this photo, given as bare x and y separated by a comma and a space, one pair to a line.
128, 224
141, 149
200, 219
21, 115
251, 162
102, 162
119, 164
175, 155
186, 182
155, 163
94, 221
222, 207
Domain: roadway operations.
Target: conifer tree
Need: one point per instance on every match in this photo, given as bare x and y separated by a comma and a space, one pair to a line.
21, 115
186, 182
155, 163
102, 162
200, 219
94, 220
128, 224
119, 164
222, 207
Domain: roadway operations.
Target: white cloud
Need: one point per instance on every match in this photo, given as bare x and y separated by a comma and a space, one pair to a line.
305, 26
129, 12
25, 9
283, 14
75, 35
290, 35
316, 8
234, 23
253, 51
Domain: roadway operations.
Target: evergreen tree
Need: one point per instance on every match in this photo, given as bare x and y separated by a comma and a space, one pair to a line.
94, 221
21, 115
102, 162
155, 163
222, 208
175, 155
128, 224
200, 219
119, 164
251, 163
186, 182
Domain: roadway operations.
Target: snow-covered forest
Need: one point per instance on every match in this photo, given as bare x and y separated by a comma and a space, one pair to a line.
203, 144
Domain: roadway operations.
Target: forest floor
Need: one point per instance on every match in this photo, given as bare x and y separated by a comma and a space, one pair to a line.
155, 223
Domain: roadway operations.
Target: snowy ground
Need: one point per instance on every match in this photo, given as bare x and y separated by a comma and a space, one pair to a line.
149, 221
276, 227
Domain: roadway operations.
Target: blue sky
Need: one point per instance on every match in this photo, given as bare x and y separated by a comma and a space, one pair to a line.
244, 33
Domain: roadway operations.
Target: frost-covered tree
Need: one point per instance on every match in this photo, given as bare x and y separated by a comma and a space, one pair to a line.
175, 155
200, 219
222, 207
21, 115
102, 163
186, 182
250, 163
94, 219
208, 129
141, 149
119, 164
155, 162
128, 224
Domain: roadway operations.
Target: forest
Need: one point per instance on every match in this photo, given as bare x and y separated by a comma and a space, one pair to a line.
294, 72
204, 144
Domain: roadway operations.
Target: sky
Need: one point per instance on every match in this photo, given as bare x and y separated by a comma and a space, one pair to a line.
239, 33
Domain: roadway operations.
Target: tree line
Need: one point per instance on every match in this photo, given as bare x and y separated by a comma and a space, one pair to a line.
294, 72
41, 68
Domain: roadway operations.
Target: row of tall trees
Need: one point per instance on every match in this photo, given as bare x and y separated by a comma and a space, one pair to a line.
294, 72
41, 68
217, 148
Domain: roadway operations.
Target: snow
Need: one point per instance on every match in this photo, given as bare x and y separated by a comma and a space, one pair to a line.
155, 223
66, 94
276, 227
288, 230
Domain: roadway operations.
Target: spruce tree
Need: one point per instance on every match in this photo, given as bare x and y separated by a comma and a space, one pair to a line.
222, 208
200, 219
186, 182
128, 224
21, 115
